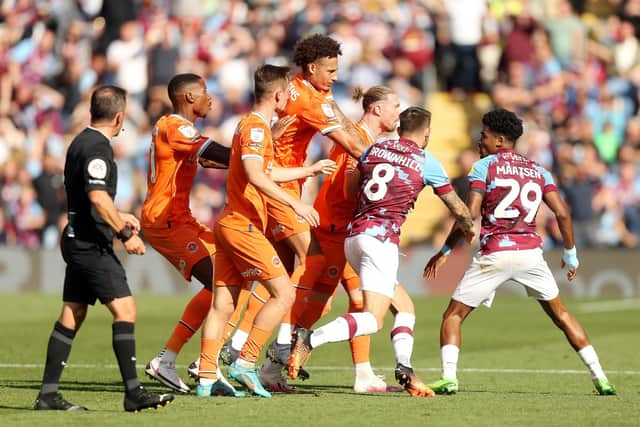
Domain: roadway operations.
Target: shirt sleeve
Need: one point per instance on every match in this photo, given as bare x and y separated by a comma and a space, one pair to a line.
185, 138
255, 139
478, 174
320, 116
435, 175
549, 183
98, 170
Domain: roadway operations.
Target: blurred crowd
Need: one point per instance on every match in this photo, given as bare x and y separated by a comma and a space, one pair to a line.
571, 69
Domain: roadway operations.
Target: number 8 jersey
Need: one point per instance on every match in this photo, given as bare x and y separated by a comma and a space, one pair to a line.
513, 188
392, 174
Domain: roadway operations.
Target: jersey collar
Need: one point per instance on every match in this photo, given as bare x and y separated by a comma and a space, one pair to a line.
183, 118
264, 119
99, 131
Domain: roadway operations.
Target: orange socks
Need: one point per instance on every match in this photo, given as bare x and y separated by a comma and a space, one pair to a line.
255, 342
360, 346
191, 320
257, 298
210, 348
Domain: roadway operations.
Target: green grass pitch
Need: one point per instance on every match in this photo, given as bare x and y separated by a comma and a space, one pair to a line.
515, 369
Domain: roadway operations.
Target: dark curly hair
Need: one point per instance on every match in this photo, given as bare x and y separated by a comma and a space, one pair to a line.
503, 122
314, 47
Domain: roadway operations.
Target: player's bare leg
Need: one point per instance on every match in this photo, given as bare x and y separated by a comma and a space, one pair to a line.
450, 341
579, 340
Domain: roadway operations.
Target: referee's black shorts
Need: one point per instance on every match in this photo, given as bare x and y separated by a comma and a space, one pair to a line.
93, 272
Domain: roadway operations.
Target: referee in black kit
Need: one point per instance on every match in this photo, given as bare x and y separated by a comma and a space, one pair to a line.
93, 271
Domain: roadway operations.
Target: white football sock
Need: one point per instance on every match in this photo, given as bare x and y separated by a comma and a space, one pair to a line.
340, 329
590, 358
364, 370
284, 334
402, 337
449, 359
238, 339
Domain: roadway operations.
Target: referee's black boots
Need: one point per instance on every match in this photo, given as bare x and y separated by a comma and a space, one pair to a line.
141, 398
55, 401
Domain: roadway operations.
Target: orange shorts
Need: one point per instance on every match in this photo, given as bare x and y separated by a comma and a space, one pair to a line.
282, 221
183, 245
244, 256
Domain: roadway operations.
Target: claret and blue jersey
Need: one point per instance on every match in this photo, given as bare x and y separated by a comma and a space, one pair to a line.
513, 187
392, 174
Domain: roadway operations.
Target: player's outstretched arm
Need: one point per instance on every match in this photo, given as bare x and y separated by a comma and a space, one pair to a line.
214, 155
563, 216
324, 166
259, 179
458, 231
347, 136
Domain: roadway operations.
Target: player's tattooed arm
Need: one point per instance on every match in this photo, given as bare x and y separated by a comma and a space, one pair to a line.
461, 213
347, 136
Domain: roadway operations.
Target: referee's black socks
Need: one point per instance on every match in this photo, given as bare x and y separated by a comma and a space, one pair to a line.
124, 346
58, 350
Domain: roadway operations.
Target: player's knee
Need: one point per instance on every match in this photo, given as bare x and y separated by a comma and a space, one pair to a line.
79, 315
287, 296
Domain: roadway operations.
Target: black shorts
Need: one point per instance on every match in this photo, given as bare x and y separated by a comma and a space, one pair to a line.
93, 272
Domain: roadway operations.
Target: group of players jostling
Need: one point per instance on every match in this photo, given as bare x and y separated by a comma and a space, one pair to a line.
284, 259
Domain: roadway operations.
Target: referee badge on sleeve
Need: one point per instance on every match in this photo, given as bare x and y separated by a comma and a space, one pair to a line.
97, 169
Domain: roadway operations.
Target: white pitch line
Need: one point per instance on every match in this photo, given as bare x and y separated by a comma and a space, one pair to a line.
606, 306
349, 368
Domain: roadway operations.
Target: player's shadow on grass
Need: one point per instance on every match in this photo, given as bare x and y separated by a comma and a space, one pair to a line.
88, 386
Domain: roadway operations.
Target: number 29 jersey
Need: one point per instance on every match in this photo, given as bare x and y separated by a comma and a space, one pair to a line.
392, 175
513, 188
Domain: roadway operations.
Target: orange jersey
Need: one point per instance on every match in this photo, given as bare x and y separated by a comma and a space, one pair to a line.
335, 207
245, 204
313, 113
173, 162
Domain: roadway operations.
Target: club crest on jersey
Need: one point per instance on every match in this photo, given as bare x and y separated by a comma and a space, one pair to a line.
192, 247
188, 131
332, 271
276, 261
97, 169
328, 111
256, 135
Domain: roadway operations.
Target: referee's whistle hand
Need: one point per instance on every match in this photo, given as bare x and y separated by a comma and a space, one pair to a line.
135, 245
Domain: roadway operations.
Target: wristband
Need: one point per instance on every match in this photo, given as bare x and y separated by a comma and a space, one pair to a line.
446, 250
570, 252
125, 234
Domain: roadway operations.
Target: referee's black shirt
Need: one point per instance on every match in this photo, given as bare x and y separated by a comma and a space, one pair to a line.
89, 165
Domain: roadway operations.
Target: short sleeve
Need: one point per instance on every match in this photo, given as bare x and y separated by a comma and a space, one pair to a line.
320, 116
478, 174
185, 138
549, 183
255, 139
435, 175
98, 170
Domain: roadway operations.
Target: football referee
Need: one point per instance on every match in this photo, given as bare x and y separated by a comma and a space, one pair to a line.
93, 270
